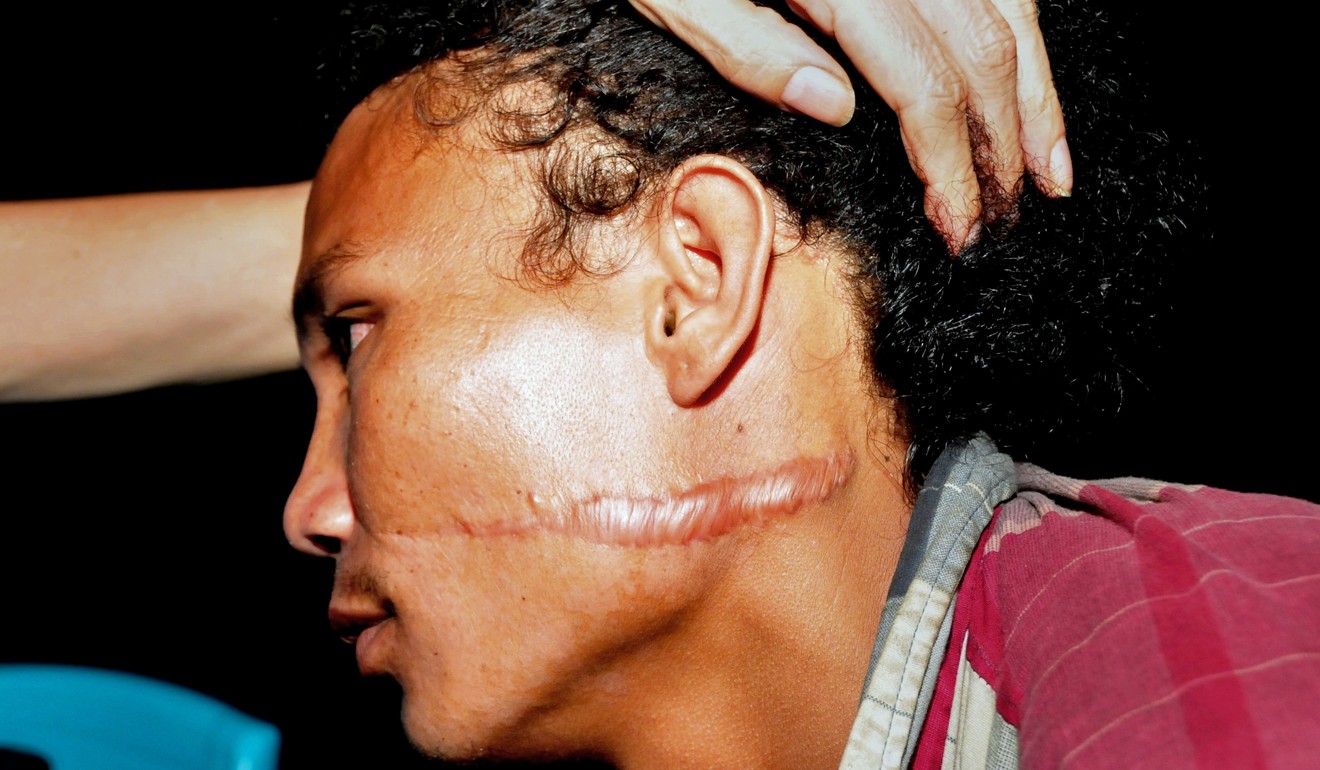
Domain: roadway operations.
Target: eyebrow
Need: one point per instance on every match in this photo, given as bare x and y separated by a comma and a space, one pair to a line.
309, 292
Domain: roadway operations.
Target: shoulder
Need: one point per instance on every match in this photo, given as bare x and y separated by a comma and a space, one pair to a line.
1163, 537
1128, 615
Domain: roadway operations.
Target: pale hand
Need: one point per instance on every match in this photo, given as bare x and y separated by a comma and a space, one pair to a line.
935, 62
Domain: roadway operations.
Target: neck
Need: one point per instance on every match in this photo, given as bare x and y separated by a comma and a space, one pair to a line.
763, 667
784, 646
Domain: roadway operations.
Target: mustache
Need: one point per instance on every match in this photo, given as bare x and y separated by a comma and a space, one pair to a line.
361, 583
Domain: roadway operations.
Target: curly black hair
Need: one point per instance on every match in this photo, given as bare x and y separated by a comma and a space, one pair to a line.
1026, 336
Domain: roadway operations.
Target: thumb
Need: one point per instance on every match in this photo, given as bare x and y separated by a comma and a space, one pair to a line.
760, 52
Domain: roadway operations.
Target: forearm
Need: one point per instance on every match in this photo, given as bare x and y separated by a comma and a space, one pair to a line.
101, 295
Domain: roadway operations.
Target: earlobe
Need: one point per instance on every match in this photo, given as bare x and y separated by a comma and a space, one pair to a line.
714, 243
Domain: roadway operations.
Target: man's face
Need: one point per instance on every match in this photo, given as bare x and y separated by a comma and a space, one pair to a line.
452, 400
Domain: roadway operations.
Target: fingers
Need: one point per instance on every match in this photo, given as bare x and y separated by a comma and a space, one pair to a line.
983, 49
1043, 143
899, 53
760, 52
969, 80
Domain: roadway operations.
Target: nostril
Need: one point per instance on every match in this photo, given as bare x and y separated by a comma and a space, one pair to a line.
327, 544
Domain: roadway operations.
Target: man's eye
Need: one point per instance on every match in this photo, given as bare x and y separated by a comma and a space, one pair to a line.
345, 334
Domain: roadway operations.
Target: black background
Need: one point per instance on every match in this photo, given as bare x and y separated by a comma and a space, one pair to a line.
142, 532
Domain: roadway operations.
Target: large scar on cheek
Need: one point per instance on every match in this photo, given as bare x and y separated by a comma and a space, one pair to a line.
703, 512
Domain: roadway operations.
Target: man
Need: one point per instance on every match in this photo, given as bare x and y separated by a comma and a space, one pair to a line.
626, 385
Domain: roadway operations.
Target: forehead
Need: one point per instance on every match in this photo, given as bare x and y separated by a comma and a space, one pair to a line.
395, 187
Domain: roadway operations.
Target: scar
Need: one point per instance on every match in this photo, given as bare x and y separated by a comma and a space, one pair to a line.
703, 512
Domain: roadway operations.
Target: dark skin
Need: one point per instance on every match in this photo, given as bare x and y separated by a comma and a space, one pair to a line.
298, 675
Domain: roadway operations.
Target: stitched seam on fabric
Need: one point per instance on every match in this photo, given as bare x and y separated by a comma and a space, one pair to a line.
962, 709
889, 706
948, 553
974, 458
1004, 488
974, 646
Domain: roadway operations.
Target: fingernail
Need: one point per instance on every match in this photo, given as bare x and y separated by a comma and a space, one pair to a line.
813, 91
1061, 169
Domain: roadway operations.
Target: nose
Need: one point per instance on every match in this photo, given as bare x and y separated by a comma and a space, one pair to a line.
318, 517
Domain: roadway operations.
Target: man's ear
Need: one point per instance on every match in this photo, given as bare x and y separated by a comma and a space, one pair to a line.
716, 230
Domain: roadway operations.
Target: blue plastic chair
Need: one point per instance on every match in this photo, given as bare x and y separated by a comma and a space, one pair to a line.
90, 719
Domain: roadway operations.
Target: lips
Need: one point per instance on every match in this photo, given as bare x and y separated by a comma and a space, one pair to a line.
361, 626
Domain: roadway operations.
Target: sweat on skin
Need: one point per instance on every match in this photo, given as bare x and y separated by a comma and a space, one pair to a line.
710, 384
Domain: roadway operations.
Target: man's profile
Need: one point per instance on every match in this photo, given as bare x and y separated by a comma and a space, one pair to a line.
654, 425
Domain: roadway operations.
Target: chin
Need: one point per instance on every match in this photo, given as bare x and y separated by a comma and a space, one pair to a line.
472, 733
457, 734
442, 736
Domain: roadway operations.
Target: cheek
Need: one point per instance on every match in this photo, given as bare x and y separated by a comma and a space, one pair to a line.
527, 417
549, 586
567, 399
510, 625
